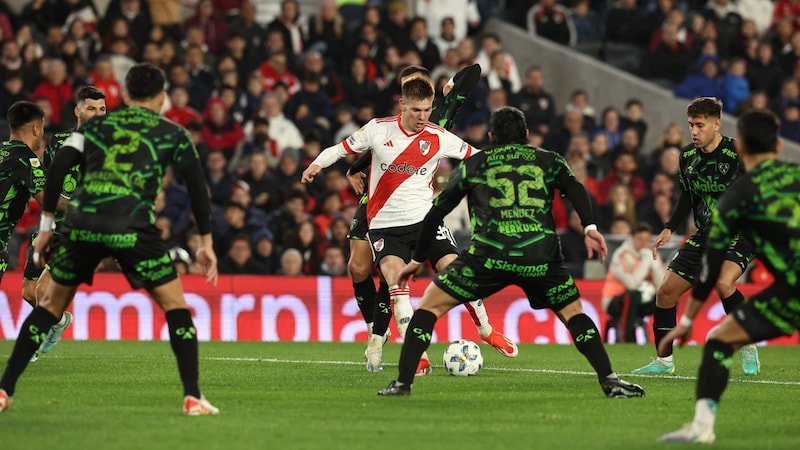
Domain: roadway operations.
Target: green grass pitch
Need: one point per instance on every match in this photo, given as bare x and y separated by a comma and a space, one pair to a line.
126, 395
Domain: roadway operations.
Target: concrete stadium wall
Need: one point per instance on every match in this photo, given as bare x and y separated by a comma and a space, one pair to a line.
565, 70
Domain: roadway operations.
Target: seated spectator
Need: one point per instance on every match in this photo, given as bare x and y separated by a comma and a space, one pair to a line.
289, 216
305, 238
790, 122
180, 112
334, 263
265, 251
624, 172
213, 24
621, 204
56, 88
572, 245
600, 162
13, 90
610, 126
763, 71
275, 70
257, 141
735, 85
238, 260
232, 223
291, 263
358, 88
668, 58
262, 184
630, 285
330, 206
220, 181
671, 136
633, 117
704, 83
220, 133
560, 136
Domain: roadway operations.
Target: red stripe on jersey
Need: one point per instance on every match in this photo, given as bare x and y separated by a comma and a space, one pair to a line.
347, 146
413, 155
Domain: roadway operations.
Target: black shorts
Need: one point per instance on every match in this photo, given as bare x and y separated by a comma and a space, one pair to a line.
359, 226
140, 252
400, 241
3, 260
469, 278
770, 313
688, 259
31, 272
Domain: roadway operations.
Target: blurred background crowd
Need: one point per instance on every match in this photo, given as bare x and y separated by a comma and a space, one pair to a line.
263, 86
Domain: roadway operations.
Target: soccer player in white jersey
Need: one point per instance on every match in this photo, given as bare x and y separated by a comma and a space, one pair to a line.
406, 151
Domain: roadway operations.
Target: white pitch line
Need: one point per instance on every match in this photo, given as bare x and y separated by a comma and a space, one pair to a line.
504, 369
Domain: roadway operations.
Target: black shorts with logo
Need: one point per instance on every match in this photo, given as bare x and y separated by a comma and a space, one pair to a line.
359, 227
688, 259
470, 277
401, 241
770, 313
87, 239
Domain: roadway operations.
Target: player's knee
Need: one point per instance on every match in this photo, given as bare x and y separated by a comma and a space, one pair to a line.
29, 292
359, 270
725, 287
667, 296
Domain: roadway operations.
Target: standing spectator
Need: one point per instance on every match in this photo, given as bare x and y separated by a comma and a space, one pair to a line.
289, 216
313, 97
246, 25
725, 15
87, 40
586, 23
560, 136
196, 68
625, 24
498, 78
328, 78
600, 162
535, 101
552, 21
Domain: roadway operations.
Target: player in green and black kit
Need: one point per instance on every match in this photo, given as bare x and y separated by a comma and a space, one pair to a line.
764, 206
21, 173
89, 102
124, 156
707, 168
510, 189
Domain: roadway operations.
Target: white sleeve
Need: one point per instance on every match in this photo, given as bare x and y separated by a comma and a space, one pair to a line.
358, 142
631, 279
453, 147
75, 140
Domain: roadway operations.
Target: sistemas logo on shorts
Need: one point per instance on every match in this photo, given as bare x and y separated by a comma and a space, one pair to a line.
378, 245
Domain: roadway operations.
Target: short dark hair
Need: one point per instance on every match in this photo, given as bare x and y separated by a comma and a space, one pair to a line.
145, 81
758, 131
412, 69
89, 92
507, 125
22, 113
417, 89
642, 227
705, 106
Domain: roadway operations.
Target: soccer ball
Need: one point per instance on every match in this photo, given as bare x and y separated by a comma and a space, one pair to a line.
463, 358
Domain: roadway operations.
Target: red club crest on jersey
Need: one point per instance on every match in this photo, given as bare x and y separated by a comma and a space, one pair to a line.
378, 245
424, 147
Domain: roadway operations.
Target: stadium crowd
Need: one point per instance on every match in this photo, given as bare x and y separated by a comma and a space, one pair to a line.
262, 88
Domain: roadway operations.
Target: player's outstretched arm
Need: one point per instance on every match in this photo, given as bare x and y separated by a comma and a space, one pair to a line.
310, 172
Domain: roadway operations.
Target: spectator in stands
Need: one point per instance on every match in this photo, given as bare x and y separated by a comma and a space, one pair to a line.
334, 263
704, 83
537, 104
220, 133
312, 95
571, 245
600, 162
558, 140
262, 184
624, 172
198, 93
290, 215
13, 89
31, 62
246, 25
552, 21
446, 39
423, 44
625, 24
630, 284
238, 260
497, 78
579, 100
56, 88
610, 126
337, 233
725, 15
629, 143
586, 22
291, 263
747, 37
276, 70
464, 14
759, 12
288, 22
327, 209
265, 251
344, 124
304, 237
87, 40
220, 182
229, 222
790, 121
789, 58
281, 129
102, 77
763, 72
466, 51
180, 112
757, 100
620, 203
633, 117
327, 32
735, 86
790, 93
136, 15
358, 88
668, 58
213, 25
787, 9
490, 43
314, 63
10, 55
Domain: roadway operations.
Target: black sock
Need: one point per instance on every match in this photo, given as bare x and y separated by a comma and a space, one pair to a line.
664, 320
418, 338
365, 297
732, 302
588, 342
33, 331
714, 370
183, 339
383, 310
